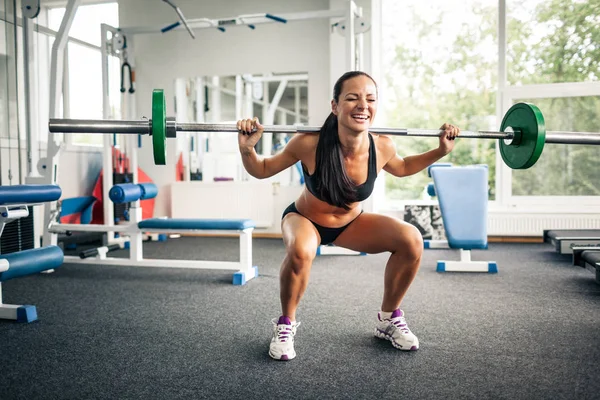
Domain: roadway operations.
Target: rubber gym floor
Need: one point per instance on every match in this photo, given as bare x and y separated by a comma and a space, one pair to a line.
532, 331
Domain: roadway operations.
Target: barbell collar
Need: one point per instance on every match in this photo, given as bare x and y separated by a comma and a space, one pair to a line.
171, 127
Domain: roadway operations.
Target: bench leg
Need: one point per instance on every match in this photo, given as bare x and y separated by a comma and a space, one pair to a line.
332, 250
247, 271
16, 312
466, 264
435, 244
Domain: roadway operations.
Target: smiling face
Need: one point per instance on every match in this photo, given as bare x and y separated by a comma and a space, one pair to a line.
357, 104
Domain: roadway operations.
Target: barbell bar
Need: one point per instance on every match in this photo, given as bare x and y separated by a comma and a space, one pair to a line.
522, 131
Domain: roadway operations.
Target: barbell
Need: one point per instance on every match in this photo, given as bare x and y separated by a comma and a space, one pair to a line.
523, 131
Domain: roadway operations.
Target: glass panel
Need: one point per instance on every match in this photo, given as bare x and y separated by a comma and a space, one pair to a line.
552, 41
5, 67
441, 66
87, 21
11, 171
85, 69
564, 170
276, 99
85, 89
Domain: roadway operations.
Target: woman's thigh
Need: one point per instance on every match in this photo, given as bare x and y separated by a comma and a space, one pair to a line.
299, 233
375, 233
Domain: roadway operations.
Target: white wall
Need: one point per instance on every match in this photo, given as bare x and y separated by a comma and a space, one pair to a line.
298, 46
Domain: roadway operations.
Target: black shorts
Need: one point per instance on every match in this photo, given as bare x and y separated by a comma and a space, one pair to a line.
328, 235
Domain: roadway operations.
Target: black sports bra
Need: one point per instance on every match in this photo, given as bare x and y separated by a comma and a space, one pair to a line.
362, 191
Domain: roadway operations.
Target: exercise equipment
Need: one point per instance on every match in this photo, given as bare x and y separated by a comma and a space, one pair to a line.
333, 250
30, 262
564, 240
19, 194
101, 252
14, 200
523, 131
436, 243
128, 192
588, 258
463, 198
14, 204
25, 263
182, 20
77, 210
131, 236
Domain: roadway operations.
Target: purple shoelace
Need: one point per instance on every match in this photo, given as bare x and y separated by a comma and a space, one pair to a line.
400, 323
284, 332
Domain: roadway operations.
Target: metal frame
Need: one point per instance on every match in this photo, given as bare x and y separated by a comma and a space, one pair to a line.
48, 167
107, 165
247, 20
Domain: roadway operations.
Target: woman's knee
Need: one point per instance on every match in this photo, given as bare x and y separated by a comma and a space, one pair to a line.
301, 254
411, 244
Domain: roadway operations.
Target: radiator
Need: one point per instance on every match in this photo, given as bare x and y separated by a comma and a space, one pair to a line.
523, 224
224, 200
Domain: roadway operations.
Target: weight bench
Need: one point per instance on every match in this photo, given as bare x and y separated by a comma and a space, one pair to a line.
435, 243
131, 193
463, 198
241, 227
14, 202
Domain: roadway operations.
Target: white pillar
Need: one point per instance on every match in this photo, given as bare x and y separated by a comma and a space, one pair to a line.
50, 172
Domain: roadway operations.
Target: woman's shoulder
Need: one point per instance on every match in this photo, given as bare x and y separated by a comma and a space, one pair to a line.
302, 143
384, 143
304, 140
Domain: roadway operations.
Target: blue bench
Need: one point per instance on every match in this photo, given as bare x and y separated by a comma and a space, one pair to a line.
463, 198
14, 202
131, 237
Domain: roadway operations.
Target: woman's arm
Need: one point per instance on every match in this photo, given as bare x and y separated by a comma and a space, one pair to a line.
263, 167
410, 165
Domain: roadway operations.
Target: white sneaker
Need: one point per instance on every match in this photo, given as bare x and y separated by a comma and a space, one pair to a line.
396, 331
282, 343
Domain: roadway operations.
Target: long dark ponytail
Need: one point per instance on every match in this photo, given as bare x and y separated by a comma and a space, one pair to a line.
335, 186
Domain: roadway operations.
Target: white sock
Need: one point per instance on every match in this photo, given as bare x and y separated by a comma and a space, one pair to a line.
385, 315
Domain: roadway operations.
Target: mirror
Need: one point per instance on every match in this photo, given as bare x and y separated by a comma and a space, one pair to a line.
276, 99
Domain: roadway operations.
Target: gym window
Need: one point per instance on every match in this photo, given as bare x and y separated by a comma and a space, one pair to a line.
85, 68
443, 65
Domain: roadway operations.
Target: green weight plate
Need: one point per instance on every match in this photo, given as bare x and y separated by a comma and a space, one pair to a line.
527, 119
159, 127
